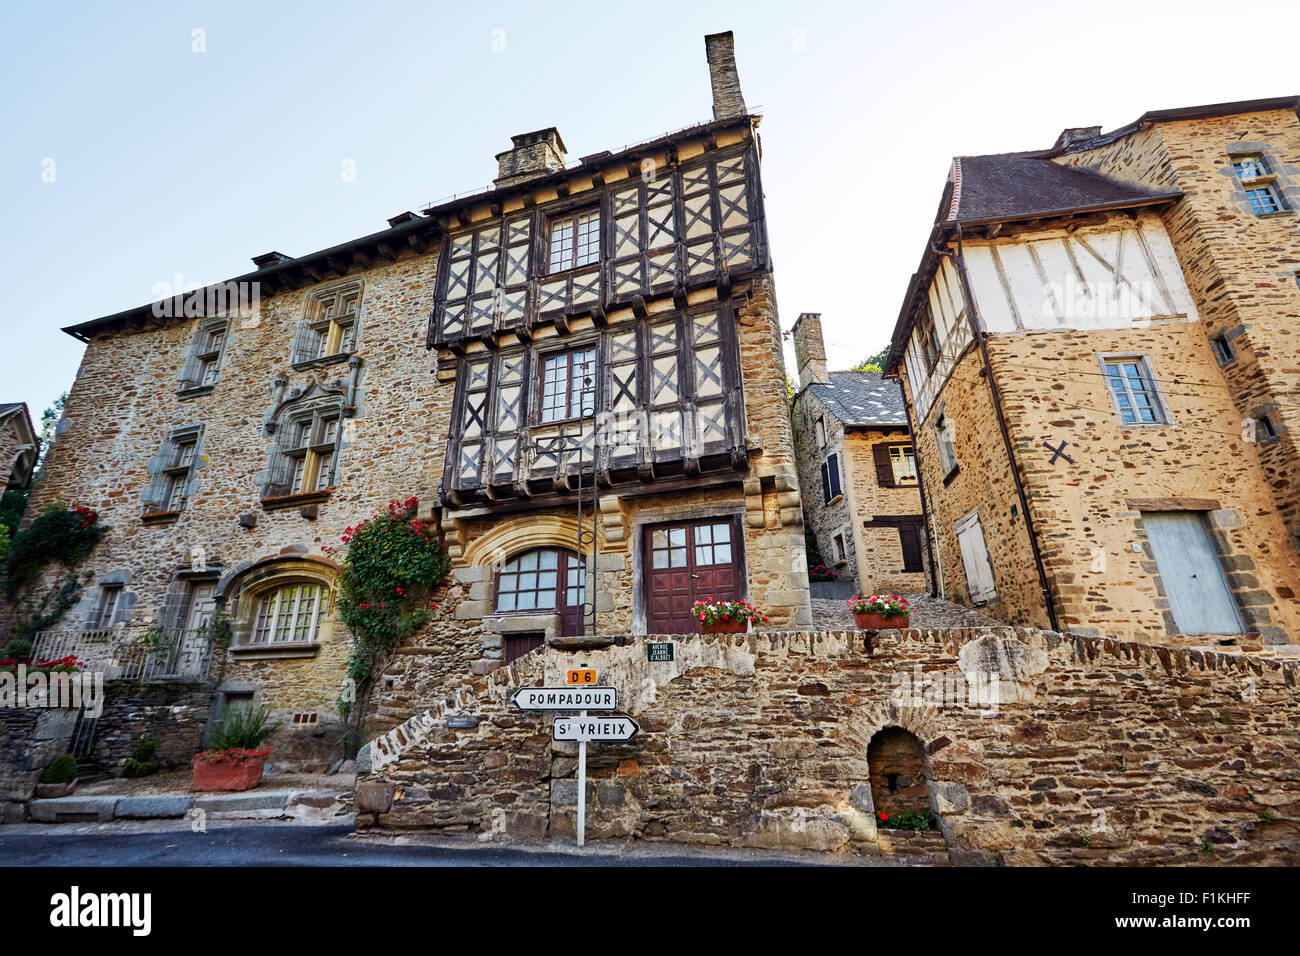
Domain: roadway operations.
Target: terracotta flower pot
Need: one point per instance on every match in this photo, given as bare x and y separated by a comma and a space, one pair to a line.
47, 791
227, 774
725, 626
878, 622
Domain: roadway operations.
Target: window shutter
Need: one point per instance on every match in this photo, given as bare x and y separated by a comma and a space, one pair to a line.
157, 491
833, 467
910, 539
975, 559
192, 369
338, 446
826, 485
884, 466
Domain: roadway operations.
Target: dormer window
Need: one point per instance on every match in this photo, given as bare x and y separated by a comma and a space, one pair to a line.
575, 240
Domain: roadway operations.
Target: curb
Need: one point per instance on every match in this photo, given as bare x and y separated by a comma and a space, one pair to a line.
306, 806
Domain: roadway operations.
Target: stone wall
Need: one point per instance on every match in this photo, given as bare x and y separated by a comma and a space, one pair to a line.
879, 549
824, 519
172, 714
31, 738
1038, 748
1241, 268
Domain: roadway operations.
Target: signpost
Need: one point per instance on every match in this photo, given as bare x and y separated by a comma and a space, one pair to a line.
565, 698
581, 696
594, 728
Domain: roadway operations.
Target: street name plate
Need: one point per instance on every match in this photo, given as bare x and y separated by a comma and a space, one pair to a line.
594, 728
565, 698
660, 652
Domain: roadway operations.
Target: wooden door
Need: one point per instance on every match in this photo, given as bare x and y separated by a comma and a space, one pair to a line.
686, 562
1189, 568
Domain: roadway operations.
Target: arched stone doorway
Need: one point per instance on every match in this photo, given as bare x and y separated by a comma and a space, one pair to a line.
897, 772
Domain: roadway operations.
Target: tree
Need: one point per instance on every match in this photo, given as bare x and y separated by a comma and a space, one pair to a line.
873, 363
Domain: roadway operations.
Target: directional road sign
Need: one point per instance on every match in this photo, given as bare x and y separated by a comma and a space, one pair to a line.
565, 698
594, 728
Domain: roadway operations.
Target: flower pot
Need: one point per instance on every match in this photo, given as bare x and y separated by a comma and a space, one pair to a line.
725, 626
45, 791
227, 774
878, 622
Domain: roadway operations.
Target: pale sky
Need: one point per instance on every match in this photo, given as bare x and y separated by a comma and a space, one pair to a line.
170, 162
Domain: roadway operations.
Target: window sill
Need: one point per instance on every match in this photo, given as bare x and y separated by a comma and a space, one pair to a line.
286, 502
838, 499
282, 650
1125, 426
948, 478
1275, 215
322, 362
195, 391
159, 517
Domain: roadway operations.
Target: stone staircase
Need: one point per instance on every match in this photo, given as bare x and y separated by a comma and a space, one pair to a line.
914, 847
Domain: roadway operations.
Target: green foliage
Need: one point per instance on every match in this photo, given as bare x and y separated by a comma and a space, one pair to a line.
873, 363
392, 566
922, 819
46, 611
4, 544
66, 535
1085, 841
12, 505
243, 726
143, 760
63, 770
19, 649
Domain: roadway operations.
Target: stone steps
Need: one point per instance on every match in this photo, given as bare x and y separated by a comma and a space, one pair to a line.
915, 846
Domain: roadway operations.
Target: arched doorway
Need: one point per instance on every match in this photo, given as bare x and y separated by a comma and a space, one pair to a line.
896, 764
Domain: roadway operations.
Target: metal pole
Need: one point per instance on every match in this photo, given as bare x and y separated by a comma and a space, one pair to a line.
582, 788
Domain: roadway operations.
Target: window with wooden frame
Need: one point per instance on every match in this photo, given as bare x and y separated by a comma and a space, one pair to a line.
574, 239
1133, 390
305, 459
819, 430
838, 542
895, 464
911, 543
330, 323
173, 472
568, 385
291, 614
544, 579
105, 616
1223, 351
203, 366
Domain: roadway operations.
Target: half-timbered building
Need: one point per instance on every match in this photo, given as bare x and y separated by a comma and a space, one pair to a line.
577, 373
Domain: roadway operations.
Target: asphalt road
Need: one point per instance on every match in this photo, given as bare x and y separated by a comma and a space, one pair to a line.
316, 846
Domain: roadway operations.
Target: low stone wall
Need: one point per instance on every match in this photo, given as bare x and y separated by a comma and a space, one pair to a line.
31, 738
1039, 748
170, 713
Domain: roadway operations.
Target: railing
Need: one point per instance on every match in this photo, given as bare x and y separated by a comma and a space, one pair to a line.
131, 653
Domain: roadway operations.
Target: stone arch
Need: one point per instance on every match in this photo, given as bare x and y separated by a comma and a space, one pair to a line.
506, 538
242, 590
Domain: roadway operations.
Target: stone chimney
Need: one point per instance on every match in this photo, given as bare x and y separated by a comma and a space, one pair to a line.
533, 154
810, 350
1076, 134
727, 99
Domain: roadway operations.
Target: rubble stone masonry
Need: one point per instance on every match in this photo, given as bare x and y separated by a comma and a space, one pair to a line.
1038, 748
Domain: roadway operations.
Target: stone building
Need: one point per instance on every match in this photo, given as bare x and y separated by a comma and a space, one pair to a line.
606, 323
861, 502
1098, 352
19, 446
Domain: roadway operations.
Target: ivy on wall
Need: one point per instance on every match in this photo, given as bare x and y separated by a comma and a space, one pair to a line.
63, 535
392, 565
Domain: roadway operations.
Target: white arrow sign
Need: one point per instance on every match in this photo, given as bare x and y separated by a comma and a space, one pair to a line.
594, 728
565, 698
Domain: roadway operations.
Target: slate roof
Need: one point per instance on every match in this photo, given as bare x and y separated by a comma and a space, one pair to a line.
1027, 185
862, 398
